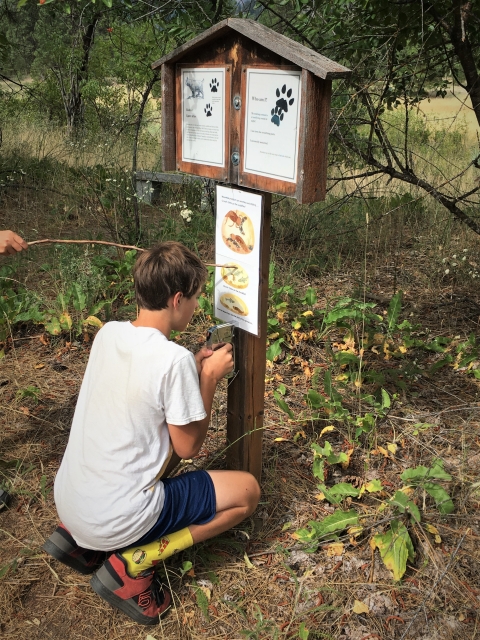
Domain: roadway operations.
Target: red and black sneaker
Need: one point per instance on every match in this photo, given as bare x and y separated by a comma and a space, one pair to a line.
63, 547
144, 598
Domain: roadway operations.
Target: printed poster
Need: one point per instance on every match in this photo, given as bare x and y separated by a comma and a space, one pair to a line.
203, 115
272, 123
237, 244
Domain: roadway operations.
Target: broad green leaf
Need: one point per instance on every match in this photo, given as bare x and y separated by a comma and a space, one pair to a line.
318, 468
337, 458
93, 322
327, 384
338, 492
331, 524
386, 402
373, 486
53, 327
338, 521
394, 310
395, 548
274, 350
79, 298
414, 476
310, 296
97, 307
283, 405
442, 499
324, 451
65, 321
401, 501
345, 357
303, 632
315, 399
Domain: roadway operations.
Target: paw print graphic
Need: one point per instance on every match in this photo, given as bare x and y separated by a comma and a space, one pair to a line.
208, 109
277, 116
214, 85
284, 99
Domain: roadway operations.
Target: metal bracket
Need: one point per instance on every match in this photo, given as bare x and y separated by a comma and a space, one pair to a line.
235, 158
237, 102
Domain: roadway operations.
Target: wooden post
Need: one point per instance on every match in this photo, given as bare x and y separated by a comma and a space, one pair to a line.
246, 392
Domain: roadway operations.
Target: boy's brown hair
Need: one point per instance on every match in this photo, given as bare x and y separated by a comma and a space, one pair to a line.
163, 271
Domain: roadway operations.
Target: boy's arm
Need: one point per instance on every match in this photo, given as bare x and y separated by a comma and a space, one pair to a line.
187, 439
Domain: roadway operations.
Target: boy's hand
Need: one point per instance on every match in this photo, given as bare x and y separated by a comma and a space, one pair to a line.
11, 242
219, 363
200, 357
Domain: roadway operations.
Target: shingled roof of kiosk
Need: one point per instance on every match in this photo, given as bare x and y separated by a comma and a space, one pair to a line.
288, 49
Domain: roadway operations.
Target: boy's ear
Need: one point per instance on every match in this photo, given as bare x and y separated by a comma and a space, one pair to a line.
176, 299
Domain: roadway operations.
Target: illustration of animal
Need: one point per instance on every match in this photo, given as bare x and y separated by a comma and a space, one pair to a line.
196, 87
238, 243
236, 220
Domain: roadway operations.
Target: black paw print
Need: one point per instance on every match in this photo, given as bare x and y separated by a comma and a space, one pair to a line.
282, 98
277, 116
208, 109
214, 86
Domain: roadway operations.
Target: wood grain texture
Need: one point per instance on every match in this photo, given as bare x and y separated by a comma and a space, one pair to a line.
314, 130
291, 51
246, 392
173, 178
168, 117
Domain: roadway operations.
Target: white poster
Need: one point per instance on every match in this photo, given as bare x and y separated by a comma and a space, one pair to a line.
272, 123
237, 244
203, 115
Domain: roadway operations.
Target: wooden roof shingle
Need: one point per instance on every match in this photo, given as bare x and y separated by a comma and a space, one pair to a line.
289, 49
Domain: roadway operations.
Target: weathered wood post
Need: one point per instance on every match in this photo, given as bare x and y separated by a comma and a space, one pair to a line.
246, 106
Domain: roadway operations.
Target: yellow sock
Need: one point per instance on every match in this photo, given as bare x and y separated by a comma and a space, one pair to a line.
145, 556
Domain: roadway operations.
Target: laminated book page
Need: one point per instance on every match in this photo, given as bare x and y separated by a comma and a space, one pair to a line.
272, 122
237, 249
203, 115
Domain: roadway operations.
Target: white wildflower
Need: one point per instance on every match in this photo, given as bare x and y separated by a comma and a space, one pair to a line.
186, 214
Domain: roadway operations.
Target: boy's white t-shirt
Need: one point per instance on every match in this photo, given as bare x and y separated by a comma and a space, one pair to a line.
107, 490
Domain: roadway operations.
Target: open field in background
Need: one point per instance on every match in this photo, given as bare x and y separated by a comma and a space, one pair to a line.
355, 254
454, 109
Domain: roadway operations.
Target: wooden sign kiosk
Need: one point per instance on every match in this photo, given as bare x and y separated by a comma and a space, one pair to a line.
246, 106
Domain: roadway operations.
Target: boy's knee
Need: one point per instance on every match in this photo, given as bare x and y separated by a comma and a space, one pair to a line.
253, 493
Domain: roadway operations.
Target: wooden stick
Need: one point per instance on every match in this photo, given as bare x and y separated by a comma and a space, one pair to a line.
109, 244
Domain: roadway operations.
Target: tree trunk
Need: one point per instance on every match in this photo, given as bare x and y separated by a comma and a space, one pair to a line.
73, 101
463, 49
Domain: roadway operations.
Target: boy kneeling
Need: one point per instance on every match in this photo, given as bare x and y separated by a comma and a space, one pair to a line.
144, 403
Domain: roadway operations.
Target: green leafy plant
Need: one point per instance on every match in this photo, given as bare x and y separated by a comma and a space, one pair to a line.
394, 543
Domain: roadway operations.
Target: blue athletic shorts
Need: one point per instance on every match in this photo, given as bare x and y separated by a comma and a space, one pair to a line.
189, 499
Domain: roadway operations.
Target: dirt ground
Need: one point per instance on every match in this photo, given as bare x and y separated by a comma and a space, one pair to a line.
257, 581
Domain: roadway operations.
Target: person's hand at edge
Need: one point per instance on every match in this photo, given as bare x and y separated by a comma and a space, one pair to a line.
11, 243
219, 363
200, 357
